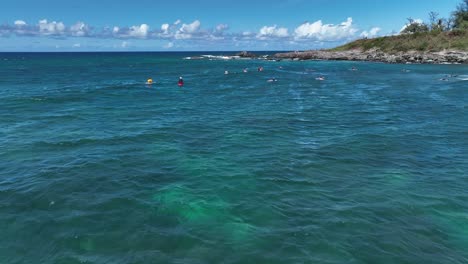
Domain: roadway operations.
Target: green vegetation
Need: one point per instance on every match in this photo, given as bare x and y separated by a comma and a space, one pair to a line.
436, 35
460, 16
427, 41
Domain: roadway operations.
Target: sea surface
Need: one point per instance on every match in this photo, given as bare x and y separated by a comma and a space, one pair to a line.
367, 166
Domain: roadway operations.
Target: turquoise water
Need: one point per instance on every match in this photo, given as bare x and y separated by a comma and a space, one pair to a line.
368, 166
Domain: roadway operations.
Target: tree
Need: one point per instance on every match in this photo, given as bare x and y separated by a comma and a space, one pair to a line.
460, 16
415, 27
434, 22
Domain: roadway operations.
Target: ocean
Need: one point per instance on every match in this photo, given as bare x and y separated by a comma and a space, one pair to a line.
369, 165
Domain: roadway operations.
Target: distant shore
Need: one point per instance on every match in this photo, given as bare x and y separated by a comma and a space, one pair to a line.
441, 57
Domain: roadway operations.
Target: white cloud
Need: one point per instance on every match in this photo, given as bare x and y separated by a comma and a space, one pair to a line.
193, 35
325, 32
20, 23
372, 33
190, 28
52, 28
169, 30
139, 31
273, 32
186, 31
79, 29
221, 27
165, 28
20, 28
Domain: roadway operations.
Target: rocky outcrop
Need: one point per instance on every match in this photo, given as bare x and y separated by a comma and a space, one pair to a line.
246, 54
460, 57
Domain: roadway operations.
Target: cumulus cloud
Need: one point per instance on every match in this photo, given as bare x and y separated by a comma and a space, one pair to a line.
20, 23
190, 28
79, 29
21, 28
221, 28
371, 33
194, 34
168, 30
187, 31
139, 31
165, 28
51, 28
325, 32
273, 31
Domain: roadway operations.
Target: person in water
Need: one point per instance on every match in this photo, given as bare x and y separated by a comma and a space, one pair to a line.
149, 81
181, 82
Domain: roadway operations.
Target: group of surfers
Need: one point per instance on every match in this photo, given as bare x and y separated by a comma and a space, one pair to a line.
180, 83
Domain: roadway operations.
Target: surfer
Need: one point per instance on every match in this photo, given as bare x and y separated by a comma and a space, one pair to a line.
181, 82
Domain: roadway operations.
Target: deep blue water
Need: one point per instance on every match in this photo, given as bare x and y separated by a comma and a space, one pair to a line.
367, 166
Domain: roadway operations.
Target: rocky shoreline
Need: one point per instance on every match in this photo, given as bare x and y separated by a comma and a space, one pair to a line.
442, 57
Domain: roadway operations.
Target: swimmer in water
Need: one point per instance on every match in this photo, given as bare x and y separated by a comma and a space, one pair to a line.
181, 82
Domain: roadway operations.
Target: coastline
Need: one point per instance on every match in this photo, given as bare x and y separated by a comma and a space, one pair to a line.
374, 55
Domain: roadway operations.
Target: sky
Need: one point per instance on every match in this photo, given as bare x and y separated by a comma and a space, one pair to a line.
203, 25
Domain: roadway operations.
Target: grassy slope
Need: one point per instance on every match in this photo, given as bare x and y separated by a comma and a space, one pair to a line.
431, 41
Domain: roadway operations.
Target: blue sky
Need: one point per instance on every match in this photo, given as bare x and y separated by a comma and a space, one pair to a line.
205, 25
